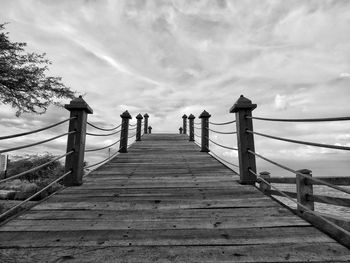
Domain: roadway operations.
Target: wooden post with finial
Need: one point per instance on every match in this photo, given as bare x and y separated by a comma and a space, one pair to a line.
205, 131
191, 127
146, 123
79, 110
149, 129
180, 130
138, 127
243, 108
184, 123
123, 146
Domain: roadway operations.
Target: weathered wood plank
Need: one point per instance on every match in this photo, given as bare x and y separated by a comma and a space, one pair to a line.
170, 204
170, 237
320, 252
161, 224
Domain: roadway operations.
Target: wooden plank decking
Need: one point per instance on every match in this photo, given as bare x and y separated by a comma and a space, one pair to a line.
164, 201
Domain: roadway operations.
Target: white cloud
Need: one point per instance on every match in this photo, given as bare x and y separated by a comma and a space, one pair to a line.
280, 102
345, 75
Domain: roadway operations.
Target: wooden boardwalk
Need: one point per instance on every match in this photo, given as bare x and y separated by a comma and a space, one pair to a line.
164, 201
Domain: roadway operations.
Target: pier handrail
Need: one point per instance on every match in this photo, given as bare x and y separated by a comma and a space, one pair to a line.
304, 197
222, 123
75, 148
35, 131
103, 129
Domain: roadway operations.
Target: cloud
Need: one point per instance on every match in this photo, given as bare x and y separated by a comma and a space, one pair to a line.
281, 102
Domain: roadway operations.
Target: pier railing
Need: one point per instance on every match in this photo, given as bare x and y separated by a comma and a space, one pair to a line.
304, 197
75, 166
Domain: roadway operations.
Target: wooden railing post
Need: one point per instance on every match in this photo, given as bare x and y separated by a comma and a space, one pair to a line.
264, 187
146, 123
184, 123
191, 127
180, 130
304, 190
123, 146
149, 129
245, 141
79, 110
138, 127
205, 131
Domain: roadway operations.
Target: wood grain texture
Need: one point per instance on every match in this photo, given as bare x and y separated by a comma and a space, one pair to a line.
164, 201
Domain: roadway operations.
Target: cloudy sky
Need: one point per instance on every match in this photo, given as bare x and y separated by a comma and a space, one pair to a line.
168, 58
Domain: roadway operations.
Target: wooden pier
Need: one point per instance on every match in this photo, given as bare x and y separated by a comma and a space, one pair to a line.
164, 201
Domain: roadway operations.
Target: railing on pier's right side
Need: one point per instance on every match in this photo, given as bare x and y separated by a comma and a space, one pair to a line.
304, 198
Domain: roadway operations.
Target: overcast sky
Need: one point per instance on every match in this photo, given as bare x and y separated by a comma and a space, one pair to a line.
168, 58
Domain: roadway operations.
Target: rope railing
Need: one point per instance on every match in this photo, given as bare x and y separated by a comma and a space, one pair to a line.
37, 130
102, 162
301, 174
35, 168
132, 125
222, 123
222, 146
104, 129
301, 120
132, 129
221, 132
196, 123
107, 134
12, 209
37, 143
102, 148
132, 136
223, 160
243, 108
301, 142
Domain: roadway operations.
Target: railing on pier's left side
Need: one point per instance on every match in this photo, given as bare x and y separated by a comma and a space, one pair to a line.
304, 198
75, 148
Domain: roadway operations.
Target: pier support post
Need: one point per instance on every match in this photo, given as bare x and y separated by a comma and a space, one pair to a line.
138, 127
184, 123
304, 190
180, 130
123, 145
264, 187
243, 108
146, 123
79, 110
191, 127
149, 129
205, 131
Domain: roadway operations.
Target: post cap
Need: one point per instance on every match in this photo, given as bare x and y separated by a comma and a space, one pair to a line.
78, 104
184, 116
242, 103
305, 171
150, 127
145, 115
125, 115
191, 117
204, 114
139, 116
180, 129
